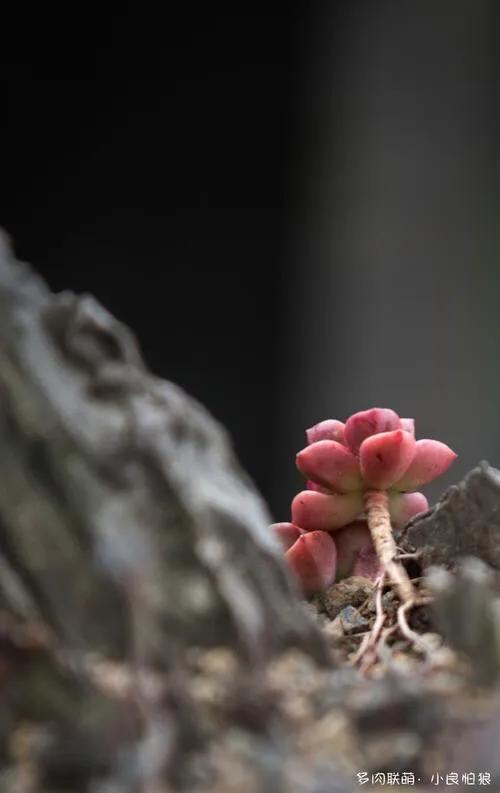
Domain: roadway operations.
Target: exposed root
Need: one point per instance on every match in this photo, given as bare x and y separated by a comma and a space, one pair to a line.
412, 636
367, 651
374, 642
405, 556
379, 523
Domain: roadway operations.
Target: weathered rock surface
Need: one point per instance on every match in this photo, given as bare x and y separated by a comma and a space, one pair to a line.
119, 489
465, 522
128, 533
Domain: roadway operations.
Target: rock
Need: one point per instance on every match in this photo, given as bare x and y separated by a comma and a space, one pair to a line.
131, 534
466, 614
352, 621
465, 522
121, 494
351, 591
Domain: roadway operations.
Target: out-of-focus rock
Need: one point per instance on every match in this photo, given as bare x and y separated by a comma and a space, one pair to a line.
466, 615
465, 522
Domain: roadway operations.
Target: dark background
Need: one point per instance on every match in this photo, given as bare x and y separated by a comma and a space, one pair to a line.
295, 210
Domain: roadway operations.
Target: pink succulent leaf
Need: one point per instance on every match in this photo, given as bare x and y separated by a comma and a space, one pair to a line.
331, 465
369, 422
403, 506
367, 563
385, 457
313, 560
432, 458
329, 430
349, 540
312, 510
356, 554
286, 533
310, 485
408, 425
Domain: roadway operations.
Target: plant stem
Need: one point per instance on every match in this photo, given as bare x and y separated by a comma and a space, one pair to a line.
379, 523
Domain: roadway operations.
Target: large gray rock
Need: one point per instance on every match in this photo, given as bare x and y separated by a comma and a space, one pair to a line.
465, 522
129, 535
124, 514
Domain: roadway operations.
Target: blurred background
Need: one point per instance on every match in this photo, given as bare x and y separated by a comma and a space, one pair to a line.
295, 210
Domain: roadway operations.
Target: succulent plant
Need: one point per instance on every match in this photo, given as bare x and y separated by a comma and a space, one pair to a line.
361, 477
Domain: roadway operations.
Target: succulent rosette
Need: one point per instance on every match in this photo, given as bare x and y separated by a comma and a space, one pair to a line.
375, 450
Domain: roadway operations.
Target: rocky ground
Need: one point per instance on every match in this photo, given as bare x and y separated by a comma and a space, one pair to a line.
150, 638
